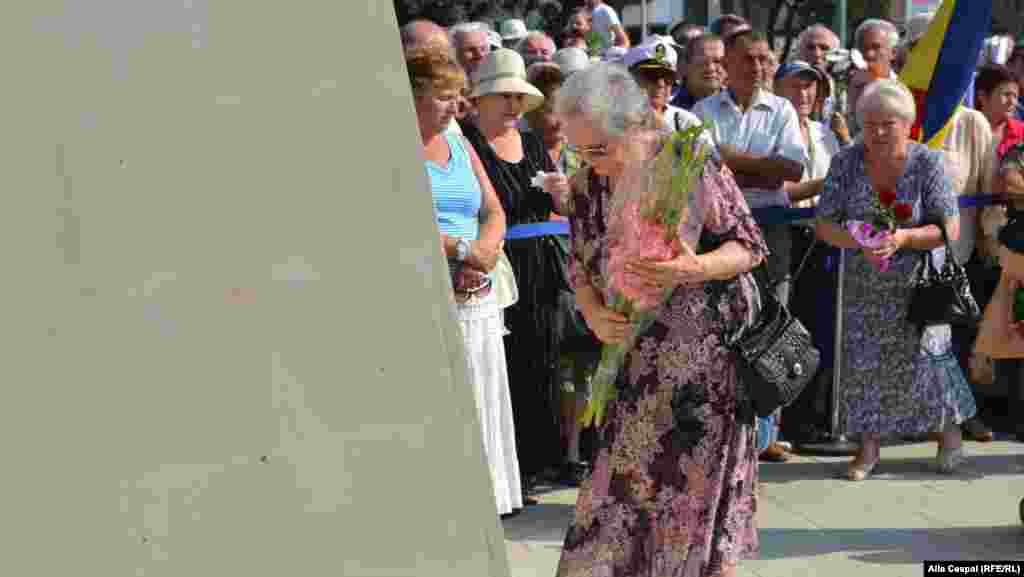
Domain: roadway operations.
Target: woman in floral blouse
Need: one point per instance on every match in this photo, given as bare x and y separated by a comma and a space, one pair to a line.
673, 488
896, 378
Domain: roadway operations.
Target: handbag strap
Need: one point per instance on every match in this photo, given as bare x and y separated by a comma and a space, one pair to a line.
792, 278
950, 254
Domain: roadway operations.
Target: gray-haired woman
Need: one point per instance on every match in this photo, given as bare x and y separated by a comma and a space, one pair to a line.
673, 487
897, 380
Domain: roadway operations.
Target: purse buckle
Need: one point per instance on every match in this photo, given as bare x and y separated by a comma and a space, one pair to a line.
798, 370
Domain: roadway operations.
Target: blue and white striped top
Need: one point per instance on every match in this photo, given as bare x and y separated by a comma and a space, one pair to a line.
456, 192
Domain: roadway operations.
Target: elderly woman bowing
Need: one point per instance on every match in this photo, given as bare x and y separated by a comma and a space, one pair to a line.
897, 379
673, 487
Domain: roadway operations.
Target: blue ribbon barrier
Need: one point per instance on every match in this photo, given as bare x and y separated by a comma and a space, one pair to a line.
763, 216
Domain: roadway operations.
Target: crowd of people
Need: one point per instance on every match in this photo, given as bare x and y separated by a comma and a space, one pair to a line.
521, 129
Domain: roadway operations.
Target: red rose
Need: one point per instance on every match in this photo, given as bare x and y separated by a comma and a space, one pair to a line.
904, 211
887, 197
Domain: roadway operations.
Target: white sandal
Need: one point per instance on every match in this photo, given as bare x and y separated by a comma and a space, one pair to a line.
947, 461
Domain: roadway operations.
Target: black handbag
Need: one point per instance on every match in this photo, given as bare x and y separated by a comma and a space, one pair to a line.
775, 354
941, 297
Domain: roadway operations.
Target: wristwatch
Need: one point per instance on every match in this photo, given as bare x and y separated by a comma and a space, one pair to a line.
462, 249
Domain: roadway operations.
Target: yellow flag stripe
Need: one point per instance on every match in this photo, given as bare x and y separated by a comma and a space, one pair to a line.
923, 58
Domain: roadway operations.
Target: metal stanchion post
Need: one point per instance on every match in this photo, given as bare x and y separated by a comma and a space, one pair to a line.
837, 443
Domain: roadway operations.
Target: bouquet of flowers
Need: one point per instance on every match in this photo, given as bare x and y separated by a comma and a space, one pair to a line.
644, 224
888, 213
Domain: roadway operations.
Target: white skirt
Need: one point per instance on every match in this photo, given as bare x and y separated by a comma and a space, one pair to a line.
483, 331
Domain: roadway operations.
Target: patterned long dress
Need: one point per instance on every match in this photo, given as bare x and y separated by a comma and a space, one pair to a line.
895, 379
673, 488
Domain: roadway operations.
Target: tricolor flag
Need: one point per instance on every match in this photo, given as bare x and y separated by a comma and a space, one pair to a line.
940, 68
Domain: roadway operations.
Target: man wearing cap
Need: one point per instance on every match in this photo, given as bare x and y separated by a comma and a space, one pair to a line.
653, 65
513, 31
605, 22
800, 83
702, 72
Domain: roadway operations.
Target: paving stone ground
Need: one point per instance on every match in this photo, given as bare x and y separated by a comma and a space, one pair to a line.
815, 524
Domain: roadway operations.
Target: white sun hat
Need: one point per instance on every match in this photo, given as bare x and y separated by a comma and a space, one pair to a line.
504, 72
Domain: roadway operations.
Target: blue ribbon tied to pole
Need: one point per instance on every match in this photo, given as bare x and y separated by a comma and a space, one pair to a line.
763, 216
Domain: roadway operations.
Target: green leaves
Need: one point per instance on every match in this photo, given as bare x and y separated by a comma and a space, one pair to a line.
677, 170
596, 44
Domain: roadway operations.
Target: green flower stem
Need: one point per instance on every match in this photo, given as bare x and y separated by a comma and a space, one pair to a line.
613, 357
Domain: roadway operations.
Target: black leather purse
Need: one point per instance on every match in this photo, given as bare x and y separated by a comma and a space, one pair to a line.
775, 355
941, 297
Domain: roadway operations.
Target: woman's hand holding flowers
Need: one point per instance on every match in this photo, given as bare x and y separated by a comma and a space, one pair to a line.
889, 246
557, 185
686, 269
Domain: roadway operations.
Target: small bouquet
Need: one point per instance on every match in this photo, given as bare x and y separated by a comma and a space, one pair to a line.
596, 44
644, 224
888, 213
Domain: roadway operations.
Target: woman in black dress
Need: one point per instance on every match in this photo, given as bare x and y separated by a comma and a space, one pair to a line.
512, 159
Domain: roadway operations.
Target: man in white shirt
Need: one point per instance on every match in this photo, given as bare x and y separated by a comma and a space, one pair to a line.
758, 136
605, 22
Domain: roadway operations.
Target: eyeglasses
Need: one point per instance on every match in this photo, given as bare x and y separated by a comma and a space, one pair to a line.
590, 151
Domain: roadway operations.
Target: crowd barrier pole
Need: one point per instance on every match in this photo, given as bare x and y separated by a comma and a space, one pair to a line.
837, 444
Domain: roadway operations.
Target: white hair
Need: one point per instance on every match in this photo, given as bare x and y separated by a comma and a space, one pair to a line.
607, 95
887, 95
521, 45
466, 28
888, 28
816, 28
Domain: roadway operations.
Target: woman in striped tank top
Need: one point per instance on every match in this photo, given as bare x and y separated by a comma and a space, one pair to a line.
472, 225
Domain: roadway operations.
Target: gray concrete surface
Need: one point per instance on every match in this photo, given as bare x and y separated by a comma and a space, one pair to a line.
813, 523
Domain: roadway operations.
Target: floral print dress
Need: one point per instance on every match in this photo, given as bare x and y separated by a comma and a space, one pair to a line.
896, 380
673, 487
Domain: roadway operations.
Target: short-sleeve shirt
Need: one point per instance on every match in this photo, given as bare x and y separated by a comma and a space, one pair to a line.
822, 147
770, 127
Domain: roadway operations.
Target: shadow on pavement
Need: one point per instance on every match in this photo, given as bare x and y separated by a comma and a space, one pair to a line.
904, 469
546, 522
896, 546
